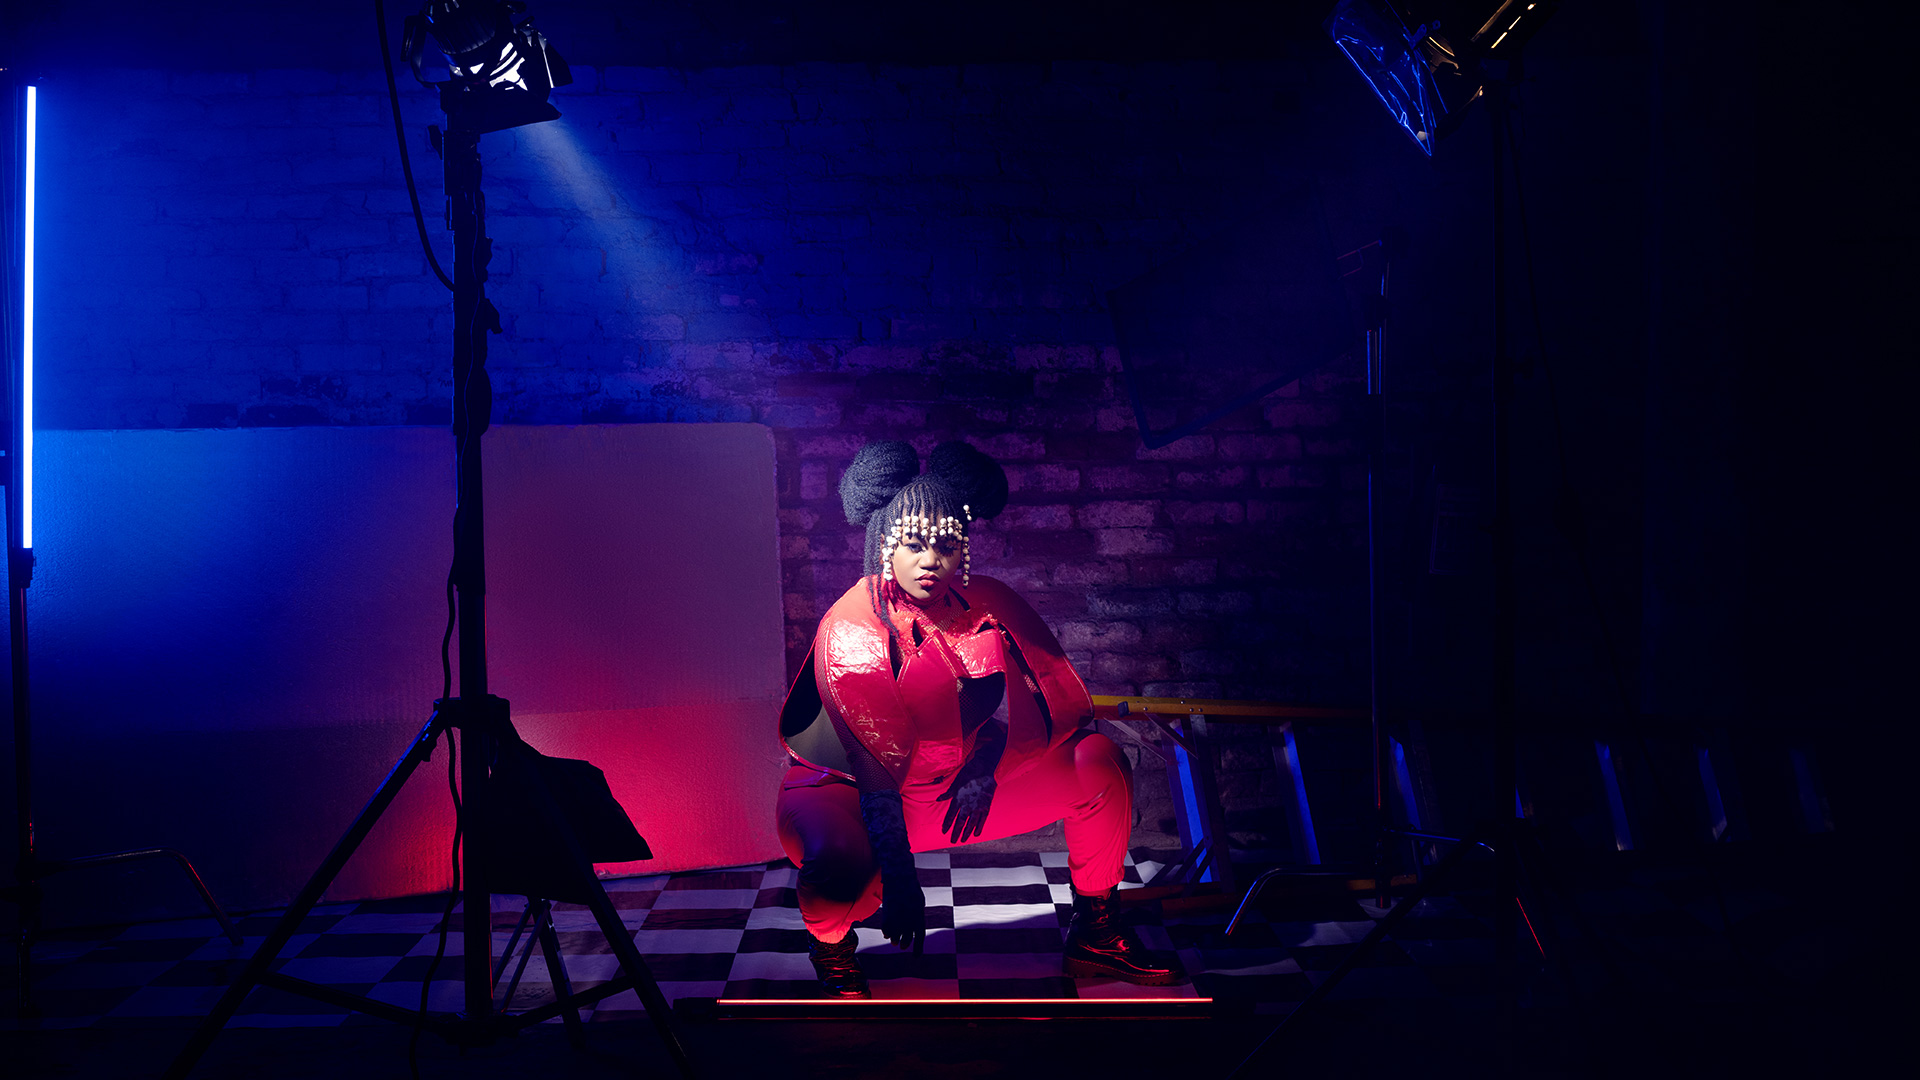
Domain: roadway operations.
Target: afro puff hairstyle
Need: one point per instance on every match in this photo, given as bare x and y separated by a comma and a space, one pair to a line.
885, 482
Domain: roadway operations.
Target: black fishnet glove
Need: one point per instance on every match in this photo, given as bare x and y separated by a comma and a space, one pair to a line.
970, 795
971, 798
903, 907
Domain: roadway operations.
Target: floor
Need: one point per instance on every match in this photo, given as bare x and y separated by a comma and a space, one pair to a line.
117, 1001
996, 923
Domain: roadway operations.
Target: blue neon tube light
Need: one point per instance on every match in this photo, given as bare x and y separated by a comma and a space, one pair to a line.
26, 327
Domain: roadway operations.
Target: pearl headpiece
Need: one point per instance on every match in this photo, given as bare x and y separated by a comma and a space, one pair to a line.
929, 529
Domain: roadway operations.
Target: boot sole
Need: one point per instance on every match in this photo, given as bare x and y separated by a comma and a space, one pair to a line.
1085, 969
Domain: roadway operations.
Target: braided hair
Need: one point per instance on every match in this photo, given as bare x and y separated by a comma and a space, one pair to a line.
884, 487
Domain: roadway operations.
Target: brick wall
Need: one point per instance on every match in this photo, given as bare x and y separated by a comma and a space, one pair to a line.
840, 252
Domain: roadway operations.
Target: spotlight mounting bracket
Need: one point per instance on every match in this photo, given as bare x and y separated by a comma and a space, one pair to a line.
499, 72
1429, 60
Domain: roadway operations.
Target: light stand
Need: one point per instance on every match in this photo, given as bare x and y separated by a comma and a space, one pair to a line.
489, 743
30, 869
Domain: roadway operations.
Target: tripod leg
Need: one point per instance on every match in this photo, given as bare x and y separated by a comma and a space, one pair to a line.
230, 1001
186, 865
206, 895
1253, 893
506, 954
557, 972
618, 937
658, 1008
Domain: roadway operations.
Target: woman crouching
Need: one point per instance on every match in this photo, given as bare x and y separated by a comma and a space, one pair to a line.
935, 709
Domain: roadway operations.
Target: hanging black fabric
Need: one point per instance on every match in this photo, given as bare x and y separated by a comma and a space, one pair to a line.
516, 843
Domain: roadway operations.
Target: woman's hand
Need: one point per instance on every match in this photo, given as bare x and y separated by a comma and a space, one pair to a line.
970, 796
903, 913
968, 800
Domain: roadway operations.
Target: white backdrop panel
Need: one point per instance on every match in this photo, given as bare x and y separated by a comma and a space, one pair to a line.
210, 604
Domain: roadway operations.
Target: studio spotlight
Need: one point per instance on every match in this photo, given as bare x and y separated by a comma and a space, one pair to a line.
1427, 59
499, 72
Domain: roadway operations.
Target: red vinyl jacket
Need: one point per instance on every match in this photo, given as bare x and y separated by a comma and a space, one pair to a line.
911, 724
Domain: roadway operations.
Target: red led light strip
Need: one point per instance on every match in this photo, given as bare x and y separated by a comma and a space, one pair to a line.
851, 1002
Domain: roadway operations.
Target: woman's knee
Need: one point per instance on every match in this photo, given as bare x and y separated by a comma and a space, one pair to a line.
820, 825
1101, 772
1095, 753
838, 869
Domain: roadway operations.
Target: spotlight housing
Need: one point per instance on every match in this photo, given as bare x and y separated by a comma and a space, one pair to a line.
1427, 60
499, 72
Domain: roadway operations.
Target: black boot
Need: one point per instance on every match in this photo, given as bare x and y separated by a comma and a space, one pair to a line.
1099, 946
838, 968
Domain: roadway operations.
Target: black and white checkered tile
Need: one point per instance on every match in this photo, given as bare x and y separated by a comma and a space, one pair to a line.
996, 926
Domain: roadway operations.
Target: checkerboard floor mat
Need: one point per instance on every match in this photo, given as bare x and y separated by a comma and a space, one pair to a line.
996, 922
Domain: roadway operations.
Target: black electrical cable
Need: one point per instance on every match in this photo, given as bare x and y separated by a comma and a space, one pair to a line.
400, 136
446, 645
446, 915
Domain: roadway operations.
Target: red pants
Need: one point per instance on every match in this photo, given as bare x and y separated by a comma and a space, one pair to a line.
1085, 780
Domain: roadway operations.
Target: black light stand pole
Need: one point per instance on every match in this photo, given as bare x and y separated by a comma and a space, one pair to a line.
473, 316
26, 874
484, 720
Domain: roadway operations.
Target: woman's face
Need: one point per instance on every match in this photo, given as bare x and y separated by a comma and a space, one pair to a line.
926, 569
